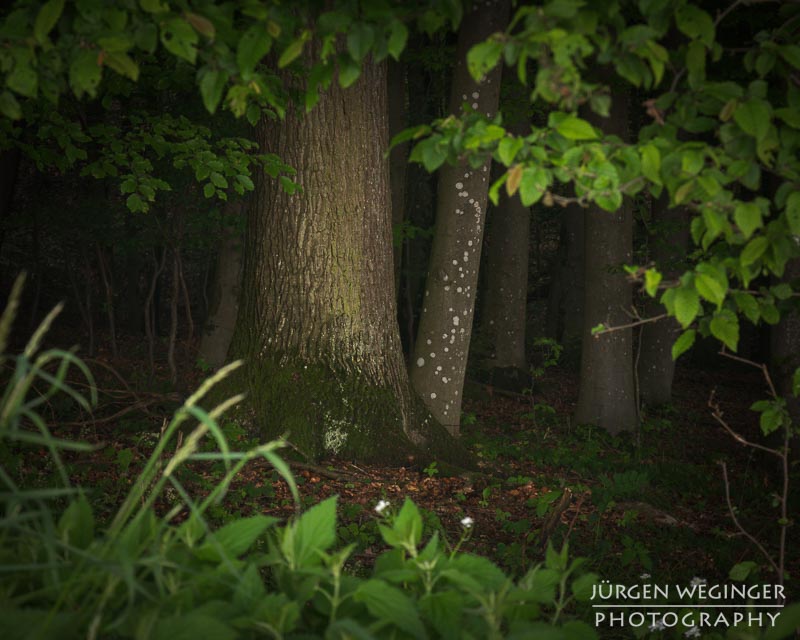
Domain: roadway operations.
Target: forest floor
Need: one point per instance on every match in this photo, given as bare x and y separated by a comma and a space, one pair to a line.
646, 503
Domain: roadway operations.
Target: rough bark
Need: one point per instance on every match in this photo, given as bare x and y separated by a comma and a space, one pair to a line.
607, 396
398, 157
317, 322
440, 355
505, 299
565, 301
224, 297
668, 245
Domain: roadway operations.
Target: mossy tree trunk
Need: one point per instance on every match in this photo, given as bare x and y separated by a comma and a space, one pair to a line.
607, 395
317, 320
439, 363
669, 243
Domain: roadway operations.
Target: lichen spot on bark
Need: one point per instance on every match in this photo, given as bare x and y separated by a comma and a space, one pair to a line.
420, 362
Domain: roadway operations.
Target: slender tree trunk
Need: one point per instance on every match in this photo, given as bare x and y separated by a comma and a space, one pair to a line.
505, 299
565, 301
398, 157
224, 297
150, 311
317, 323
607, 395
669, 242
107, 278
442, 346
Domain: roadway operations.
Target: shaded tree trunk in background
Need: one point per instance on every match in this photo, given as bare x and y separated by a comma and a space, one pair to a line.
505, 298
442, 346
9, 168
607, 395
398, 158
565, 300
669, 243
317, 323
224, 298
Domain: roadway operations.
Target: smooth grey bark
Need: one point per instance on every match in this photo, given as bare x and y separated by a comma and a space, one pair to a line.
668, 245
317, 323
439, 363
224, 298
607, 395
565, 300
505, 298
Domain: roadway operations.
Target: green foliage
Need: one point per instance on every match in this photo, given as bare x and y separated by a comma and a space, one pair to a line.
146, 574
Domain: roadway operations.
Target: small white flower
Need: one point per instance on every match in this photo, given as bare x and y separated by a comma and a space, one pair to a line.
658, 626
696, 582
644, 576
467, 522
381, 506
692, 632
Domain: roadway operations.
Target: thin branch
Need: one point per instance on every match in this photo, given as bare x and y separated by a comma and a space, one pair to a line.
639, 322
717, 414
739, 526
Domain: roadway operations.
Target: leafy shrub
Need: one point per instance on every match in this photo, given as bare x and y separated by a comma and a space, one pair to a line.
145, 575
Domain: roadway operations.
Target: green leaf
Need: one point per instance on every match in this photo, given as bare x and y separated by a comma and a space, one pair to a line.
574, 128
651, 163
208, 190
76, 525
753, 250
753, 117
747, 216
408, 524
793, 212
748, 306
683, 343
740, 571
791, 53
508, 149
483, 57
709, 288
725, 327
179, 38
85, 73
782, 291
153, 6
23, 79
315, 531
397, 39
349, 72
652, 278
123, 64
687, 305
201, 24
252, 47
235, 538
389, 603
211, 87
9, 106
695, 23
583, 586
533, 185
359, 40
47, 18
293, 51
696, 63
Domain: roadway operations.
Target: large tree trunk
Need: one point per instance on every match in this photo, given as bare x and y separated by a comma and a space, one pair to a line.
607, 396
224, 307
565, 301
398, 157
505, 299
442, 346
669, 242
317, 321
